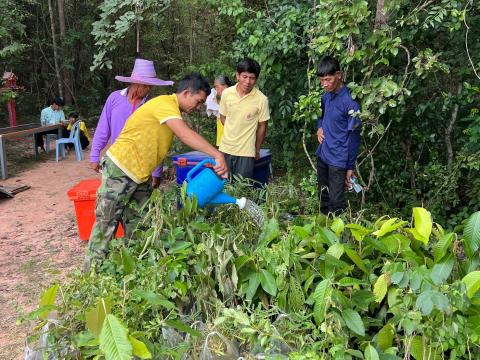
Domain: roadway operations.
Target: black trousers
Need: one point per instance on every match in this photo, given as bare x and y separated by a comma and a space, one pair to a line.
240, 165
39, 136
332, 198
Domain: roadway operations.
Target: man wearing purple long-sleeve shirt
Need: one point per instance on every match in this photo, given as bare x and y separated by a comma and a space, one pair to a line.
120, 105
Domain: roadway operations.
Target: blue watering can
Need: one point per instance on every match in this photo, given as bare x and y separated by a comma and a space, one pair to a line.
207, 186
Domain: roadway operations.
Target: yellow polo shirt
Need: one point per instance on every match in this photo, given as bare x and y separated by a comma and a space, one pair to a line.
242, 117
145, 138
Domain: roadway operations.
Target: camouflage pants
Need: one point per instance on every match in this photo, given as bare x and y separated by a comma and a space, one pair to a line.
118, 198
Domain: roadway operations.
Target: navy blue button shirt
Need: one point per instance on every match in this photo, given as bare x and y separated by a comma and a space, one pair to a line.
341, 129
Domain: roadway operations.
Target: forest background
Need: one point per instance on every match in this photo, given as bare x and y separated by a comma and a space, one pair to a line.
413, 65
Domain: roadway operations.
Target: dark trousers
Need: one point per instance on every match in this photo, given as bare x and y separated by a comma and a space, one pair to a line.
240, 165
39, 136
332, 199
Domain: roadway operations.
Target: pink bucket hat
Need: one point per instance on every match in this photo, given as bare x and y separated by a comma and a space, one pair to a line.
143, 73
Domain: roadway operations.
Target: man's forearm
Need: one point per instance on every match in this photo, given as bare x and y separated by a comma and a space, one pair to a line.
260, 136
222, 119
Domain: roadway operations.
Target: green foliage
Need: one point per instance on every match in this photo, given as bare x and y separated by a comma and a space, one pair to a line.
366, 289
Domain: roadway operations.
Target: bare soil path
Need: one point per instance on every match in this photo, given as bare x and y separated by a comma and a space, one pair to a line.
38, 240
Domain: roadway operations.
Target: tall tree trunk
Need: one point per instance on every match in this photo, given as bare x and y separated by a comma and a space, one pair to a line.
381, 17
449, 129
65, 73
55, 50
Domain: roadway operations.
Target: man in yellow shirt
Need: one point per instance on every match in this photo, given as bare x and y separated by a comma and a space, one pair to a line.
141, 146
244, 113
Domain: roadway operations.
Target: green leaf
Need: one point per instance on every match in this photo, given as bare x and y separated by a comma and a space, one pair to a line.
114, 341
268, 282
385, 337
269, 232
358, 231
154, 299
95, 317
179, 247
441, 247
381, 286
442, 271
471, 235
370, 353
128, 261
429, 299
321, 296
423, 225
337, 226
357, 260
177, 324
336, 250
139, 348
419, 352
472, 282
327, 236
353, 321
47, 300
253, 283
389, 226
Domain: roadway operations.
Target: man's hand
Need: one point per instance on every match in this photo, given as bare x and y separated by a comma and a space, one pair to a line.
348, 180
155, 182
257, 154
221, 168
320, 135
95, 167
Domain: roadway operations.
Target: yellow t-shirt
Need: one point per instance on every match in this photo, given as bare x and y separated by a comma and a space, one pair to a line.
242, 118
219, 132
145, 138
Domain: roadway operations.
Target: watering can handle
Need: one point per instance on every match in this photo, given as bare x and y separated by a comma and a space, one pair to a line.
198, 166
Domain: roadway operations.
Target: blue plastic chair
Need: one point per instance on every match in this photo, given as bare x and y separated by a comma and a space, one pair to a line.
74, 139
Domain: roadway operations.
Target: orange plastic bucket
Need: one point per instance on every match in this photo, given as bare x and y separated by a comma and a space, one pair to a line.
83, 196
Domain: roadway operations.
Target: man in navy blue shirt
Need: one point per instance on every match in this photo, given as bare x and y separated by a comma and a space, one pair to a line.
338, 132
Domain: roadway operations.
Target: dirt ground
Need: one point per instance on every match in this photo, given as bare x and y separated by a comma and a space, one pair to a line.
38, 235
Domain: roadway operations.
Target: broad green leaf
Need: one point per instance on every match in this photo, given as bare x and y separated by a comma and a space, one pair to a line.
321, 296
47, 300
442, 271
370, 353
154, 299
349, 281
395, 243
357, 353
358, 231
114, 341
381, 286
270, 232
336, 250
177, 324
423, 225
139, 348
389, 226
241, 261
474, 324
179, 246
441, 247
429, 299
41, 312
353, 321
268, 282
337, 226
385, 337
95, 317
357, 260
253, 283
471, 235
128, 261
472, 282
327, 236
420, 352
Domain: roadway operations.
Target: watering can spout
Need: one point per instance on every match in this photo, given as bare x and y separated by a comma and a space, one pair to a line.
223, 198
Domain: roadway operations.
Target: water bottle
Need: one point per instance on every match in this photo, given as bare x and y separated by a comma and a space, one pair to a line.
355, 185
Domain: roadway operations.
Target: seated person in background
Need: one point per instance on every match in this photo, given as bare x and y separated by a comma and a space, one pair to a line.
51, 115
84, 135
213, 102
